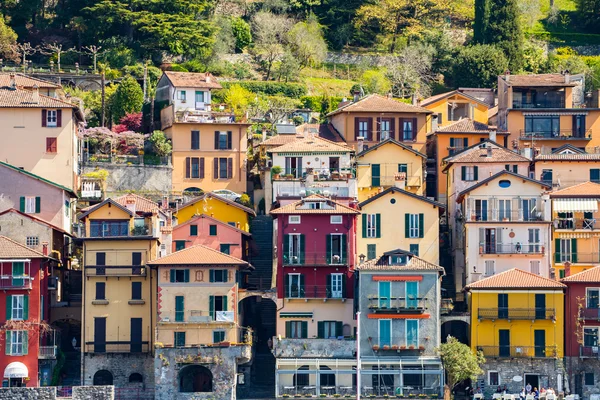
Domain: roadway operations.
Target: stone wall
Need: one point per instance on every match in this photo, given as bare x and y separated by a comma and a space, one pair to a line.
314, 348
121, 366
93, 392
139, 178
576, 368
26, 393
221, 361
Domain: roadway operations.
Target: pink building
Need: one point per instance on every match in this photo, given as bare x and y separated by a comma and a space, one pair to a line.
211, 232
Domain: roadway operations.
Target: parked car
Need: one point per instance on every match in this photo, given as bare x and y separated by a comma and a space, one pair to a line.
228, 194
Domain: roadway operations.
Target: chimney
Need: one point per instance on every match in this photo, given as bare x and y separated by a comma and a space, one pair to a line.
567, 76
165, 202
207, 77
567, 269
493, 135
36, 94
45, 248
434, 123
489, 151
356, 95
507, 75
414, 99
130, 205
13, 82
360, 145
264, 134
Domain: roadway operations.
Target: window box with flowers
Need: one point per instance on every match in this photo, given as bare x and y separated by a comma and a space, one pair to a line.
376, 347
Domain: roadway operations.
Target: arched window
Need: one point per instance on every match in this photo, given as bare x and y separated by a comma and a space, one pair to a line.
327, 379
103, 378
301, 380
194, 190
136, 378
195, 378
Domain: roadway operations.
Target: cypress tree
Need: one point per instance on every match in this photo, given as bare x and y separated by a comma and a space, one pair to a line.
504, 30
482, 17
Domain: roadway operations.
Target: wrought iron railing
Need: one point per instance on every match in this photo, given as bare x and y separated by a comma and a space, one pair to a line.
502, 351
516, 313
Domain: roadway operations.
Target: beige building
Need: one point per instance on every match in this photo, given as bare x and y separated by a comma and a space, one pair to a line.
39, 134
567, 166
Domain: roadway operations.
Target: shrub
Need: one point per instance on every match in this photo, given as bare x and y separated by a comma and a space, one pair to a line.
160, 144
294, 90
245, 200
478, 66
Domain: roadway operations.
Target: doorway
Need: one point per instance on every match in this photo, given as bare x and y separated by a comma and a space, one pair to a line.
533, 380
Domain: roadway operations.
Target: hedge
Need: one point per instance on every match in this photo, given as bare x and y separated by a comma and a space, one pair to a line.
294, 90
315, 103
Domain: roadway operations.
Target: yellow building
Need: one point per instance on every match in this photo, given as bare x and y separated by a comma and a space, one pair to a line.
576, 223
567, 166
397, 219
517, 321
227, 211
453, 106
119, 292
389, 163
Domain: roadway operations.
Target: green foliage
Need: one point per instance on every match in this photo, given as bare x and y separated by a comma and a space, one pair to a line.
92, 102
534, 58
481, 23
460, 362
245, 201
276, 170
375, 81
161, 146
241, 70
57, 371
241, 33
118, 55
270, 34
8, 38
589, 14
307, 43
128, 98
238, 98
298, 120
194, 66
315, 103
101, 174
294, 90
478, 66
288, 68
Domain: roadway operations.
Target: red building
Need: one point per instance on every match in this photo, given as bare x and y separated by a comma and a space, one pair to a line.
24, 300
316, 248
582, 331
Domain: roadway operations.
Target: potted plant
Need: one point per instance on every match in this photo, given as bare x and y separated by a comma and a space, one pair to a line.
289, 177
403, 347
394, 347
421, 347
422, 396
376, 347
276, 171
386, 347
411, 347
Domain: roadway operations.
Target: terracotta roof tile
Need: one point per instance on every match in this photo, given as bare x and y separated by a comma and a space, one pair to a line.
586, 189
11, 249
28, 82
414, 264
23, 98
477, 154
496, 176
391, 141
313, 144
216, 221
437, 97
378, 103
292, 208
535, 80
279, 140
467, 125
515, 279
198, 255
142, 204
591, 275
193, 80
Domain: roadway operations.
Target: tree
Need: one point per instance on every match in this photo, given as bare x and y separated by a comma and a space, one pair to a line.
55, 48
128, 98
238, 98
375, 81
534, 58
288, 67
589, 14
307, 43
460, 362
481, 22
8, 41
269, 32
478, 66
242, 33
411, 71
531, 12
160, 144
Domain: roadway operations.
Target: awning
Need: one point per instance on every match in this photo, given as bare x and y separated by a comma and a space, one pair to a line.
295, 314
575, 205
16, 370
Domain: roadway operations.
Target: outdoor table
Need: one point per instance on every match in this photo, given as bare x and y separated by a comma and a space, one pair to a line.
328, 389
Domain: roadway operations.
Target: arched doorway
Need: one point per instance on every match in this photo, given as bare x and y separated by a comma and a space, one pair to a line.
103, 378
195, 378
301, 379
136, 378
458, 329
326, 379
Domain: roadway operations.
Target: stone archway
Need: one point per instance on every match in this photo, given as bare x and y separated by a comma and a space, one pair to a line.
457, 328
103, 378
195, 378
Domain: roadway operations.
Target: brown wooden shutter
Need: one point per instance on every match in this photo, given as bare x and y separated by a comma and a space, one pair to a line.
216, 140
393, 128
230, 168
216, 168
370, 129
378, 130
415, 130
44, 118
51, 145
188, 167
201, 167
356, 128
229, 140
59, 118
401, 129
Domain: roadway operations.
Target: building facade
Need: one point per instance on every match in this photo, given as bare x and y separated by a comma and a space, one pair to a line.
215, 206
567, 166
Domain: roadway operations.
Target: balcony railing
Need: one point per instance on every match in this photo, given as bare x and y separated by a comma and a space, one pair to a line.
575, 223
314, 292
397, 305
497, 215
15, 282
516, 313
397, 344
115, 270
554, 103
47, 352
117, 347
455, 150
315, 259
577, 258
511, 248
560, 134
519, 351
318, 174
196, 316
118, 229
589, 352
592, 314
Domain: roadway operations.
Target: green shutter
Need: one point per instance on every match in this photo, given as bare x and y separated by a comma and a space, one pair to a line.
377, 225
364, 225
172, 275
224, 303
38, 204
344, 245
22, 204
574, 250
287, 286
304, 329
301, 285
328, 247
339, 328
463, 173
8, 342
476, 173
371, 251
406, 225
25, 343
321, 330
288, 329
286, 247
344, 286
421, 223
179, 309
328, 286
186, 275
212, 275
557, 250
375, 175
25, 308
193, 230
8, 307
211, 307
302, 248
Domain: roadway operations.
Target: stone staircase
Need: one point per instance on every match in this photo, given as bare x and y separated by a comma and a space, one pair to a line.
72, 370
261, 256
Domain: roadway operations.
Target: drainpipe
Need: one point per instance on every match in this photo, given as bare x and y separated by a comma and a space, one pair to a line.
358, 366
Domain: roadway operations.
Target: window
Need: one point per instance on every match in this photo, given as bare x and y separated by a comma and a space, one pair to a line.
490, 267
51, 145
225, 248
504, 209
223, 168
51, 118
218, 275
179, 339
216, 304
199, 99
328, 329
195, 140
293, 166
371, 251
218, 336
481, 210
363, 129
294, 219
231, 224
565, 248
335, 246
469, 173
315, 205
514, 168
193, 230
412, 332
371, 227
16, 343
403, 168
493, 378
32, 241
295, 253
595, 175
180, 275
385, 129
546, 176
212, 230
414, 249
534, 240
294, 286
384, 290
30, 205
534, 267
100, 290
385, 332
18, 307
335, 219
414, 225
179, 245
589, 379
194, 167
458, 144
545, 126
593, 298
296, 329
181, 95
335, 286
222, 140
179, 308
408, 129
590, 337
136, 290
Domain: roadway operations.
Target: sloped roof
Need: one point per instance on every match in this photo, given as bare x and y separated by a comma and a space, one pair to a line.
88, 210
591, 275
193, 79
23, 98
328, 131
536, 80
495, 176
198, 255
279, 140
378, 103
391, 141
585, 189
216, 221
478, 154
414, 264
438, 97
313, 144
39, 178
33, 218
467, 125
394, 189
210, 195
11, 249
142, 204
25, 81
515, 279
292, 207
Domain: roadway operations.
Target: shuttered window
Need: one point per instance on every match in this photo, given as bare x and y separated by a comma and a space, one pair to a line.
51, 144
194, 167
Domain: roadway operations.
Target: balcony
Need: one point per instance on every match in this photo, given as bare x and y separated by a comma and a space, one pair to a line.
589, 352
314, 348
314, 292
316, 174
455, 150
117, 347
205, 115
47, 352
91, 188
109, 229
397, 305
115, 270
396, 345
575, 223
519, 351
9, 282
511, 248
590, 314
196, 316
493, 214
543, 103
314, 259
577, 258
559, 134
516, 313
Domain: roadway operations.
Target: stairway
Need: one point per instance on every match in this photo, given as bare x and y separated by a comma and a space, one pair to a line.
263, 371
261, 255
72, 369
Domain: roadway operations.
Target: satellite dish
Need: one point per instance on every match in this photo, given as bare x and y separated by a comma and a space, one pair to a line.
517, 378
